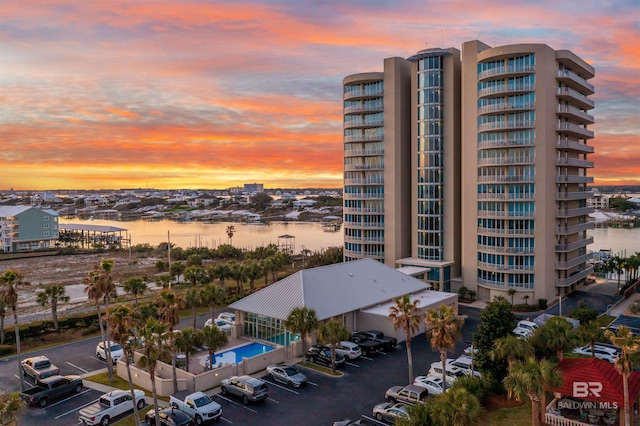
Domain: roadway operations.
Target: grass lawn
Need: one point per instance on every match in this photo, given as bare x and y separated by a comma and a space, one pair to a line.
119, 383
321, 369
509, 416
130, 421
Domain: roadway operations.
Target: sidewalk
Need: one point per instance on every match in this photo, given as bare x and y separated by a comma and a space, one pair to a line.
100, 387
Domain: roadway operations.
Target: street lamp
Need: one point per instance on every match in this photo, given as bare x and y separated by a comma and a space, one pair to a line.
560, 304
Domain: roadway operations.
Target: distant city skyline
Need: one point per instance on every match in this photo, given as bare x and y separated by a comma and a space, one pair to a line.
217, 94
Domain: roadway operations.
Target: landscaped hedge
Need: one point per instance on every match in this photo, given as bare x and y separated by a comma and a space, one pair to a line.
38, 328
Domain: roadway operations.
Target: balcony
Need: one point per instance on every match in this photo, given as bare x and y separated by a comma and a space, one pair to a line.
506, 250
581, 195
363, 196
572, 79
569, 144
363, 108
352, 167
506, 125
504, 142
574, 162
363, 152
575, 97
500, 161
364, 181
568, 264
498, 267
502, 178
354, 94
583, 211
353, 124
574, 179
504, 89
364, 138
572, 229
505, 232
575, 130
575, 114
504, 107
511, 70
575, 245
369, 210
566, 282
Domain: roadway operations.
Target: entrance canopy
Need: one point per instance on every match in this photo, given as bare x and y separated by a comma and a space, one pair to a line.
596, 380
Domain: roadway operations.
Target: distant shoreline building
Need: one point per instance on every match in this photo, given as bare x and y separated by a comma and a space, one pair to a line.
472, 164
25, 228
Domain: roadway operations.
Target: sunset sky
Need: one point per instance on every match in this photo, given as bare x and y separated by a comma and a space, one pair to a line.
211, 94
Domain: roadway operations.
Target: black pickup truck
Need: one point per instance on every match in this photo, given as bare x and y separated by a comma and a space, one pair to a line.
388, 343
51, 388
367, 345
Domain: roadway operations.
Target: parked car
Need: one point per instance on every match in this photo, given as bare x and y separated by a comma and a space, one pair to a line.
322, 355
39, 367
116, 351
367, 346
390, 412
109, 406
287, 375
527, 325
169, 417
245, 387
349, 350
522, 333
221, 324
432, 383
409, 394
465, 363
601, 352
452, 372
388, 343
198, 405
50, 389
469, 351
229, 317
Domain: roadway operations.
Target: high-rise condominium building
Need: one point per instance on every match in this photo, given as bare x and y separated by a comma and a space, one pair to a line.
472, 166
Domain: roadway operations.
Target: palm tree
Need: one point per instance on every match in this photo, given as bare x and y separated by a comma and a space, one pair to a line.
332, 333
119, 320
230, 231
220, 271
153, 350
211, 296
9, 407
405, 314
238, 274
214, 338
457, 407
192, 300
512, 348
170, 304
188, 341
94, 294
135, 286
51, 295
302, 320
3, 314
556, 334
10, 281
590, 333
252, 272
176, 269
445, 330
630, 345
529, 378
511, 292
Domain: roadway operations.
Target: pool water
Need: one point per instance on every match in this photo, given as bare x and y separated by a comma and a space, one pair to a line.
234, 356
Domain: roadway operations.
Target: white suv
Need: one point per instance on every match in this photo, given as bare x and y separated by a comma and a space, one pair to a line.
599, 351
350, 350
452, 372
465, 363
116, 351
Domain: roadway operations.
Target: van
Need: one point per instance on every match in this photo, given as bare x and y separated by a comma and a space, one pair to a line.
452, 371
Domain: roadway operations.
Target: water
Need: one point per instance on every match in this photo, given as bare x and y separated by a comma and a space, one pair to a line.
235, 355
307, 235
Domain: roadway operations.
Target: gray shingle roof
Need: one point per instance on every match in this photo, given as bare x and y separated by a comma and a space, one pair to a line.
331, 290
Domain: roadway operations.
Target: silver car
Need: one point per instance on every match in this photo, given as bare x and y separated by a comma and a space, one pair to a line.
245, 387
287, 375
389, 412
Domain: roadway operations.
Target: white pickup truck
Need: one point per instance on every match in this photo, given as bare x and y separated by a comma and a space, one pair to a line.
110, 405
198, 405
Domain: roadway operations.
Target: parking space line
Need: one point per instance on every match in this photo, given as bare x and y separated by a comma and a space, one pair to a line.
235, 403
311, 383
366, 357
226, 420
383, 353
79, 368
271, 399
353, 365
18, 377
371, 419
272, 383
71, 397
76, 409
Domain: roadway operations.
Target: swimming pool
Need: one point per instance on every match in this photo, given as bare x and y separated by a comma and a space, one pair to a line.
235, 355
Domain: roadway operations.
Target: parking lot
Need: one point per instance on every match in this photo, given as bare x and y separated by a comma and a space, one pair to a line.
324, 400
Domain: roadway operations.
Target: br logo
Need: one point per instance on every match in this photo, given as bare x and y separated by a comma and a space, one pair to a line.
586, 389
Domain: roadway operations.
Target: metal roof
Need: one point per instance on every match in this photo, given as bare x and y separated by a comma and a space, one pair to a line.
331, 290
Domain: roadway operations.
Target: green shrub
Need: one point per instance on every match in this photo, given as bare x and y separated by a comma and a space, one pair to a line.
542, 304
634, 308
6, 350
